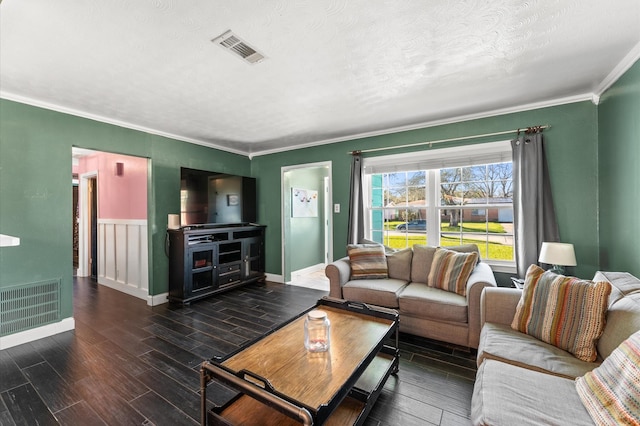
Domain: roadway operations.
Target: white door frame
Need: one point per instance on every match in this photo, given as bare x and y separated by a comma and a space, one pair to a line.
328, 218
286, 215
84, 269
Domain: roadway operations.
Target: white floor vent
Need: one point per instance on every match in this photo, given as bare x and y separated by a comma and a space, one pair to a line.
29, 306
232, 43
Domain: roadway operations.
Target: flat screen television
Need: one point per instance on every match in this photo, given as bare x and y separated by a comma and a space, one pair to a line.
210, 197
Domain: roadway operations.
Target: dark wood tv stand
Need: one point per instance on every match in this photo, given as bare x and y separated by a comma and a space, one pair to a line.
208, 259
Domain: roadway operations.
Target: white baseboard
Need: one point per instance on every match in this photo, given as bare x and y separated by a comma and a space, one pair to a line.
275, 278
123, 287
158, 299
27, 336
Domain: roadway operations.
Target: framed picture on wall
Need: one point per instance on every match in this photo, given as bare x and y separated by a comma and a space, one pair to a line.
233, 199
304, 202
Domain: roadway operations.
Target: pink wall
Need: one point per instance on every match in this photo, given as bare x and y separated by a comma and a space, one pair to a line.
119, 197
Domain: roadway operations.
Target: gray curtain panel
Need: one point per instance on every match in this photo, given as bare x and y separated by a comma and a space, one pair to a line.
355, 230
534, 217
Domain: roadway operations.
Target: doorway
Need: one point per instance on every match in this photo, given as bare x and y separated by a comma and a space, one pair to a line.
113, 240
87, 225
307, 235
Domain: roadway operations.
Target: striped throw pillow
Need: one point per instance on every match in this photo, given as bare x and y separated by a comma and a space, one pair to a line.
368, 261
566, 312
611, 392
450, 270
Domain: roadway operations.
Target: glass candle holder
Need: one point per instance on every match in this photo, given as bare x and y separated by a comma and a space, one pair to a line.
317, 331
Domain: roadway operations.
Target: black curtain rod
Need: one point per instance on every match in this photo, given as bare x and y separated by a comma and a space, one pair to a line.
527, 130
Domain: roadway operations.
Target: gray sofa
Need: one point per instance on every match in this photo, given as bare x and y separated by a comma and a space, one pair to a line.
524, 381
424, 311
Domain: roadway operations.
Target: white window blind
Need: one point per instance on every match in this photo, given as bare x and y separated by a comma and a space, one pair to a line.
459, 156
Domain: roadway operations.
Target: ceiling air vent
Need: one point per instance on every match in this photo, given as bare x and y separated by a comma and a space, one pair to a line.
232, 43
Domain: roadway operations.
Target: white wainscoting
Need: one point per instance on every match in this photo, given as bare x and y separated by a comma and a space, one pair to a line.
123, 256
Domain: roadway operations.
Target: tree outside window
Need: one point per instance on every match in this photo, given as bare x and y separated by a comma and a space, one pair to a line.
474, 205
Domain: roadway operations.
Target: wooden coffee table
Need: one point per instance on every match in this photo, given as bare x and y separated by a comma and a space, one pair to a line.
280, 383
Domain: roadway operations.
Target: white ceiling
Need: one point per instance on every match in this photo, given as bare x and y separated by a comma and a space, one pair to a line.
334, 69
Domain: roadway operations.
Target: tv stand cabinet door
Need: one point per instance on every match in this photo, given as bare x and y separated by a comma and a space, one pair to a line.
253, 258
201, 271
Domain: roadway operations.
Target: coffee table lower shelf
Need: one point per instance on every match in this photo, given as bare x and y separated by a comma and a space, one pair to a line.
245, 409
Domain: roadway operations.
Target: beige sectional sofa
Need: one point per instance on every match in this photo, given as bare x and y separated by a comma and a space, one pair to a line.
424, 311
524, 381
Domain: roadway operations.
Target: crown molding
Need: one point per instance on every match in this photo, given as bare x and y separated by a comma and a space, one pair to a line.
65, 110
459, 119
622, 67
594, 97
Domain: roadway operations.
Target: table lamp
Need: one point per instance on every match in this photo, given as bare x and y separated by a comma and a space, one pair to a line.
558, 255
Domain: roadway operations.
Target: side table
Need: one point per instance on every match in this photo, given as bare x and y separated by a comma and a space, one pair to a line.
517, 282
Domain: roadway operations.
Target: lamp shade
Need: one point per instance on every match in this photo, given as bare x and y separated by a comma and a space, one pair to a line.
557, 254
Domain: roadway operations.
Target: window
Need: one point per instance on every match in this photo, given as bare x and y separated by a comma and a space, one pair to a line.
444, 197
398, 208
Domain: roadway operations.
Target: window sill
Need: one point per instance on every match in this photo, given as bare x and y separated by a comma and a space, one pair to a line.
502, 267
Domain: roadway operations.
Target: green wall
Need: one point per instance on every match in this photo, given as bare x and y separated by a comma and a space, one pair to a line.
619, 169
571, 151
35, 189
588, 148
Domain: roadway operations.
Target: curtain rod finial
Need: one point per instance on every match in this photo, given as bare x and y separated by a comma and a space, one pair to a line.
535, 129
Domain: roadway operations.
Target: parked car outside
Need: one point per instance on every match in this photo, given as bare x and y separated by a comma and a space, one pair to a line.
413, 225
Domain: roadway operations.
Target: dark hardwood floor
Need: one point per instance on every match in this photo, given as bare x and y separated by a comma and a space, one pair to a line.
128, 363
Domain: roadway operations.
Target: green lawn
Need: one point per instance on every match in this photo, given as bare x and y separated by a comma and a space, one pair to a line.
487, 250
494, 227
495, 250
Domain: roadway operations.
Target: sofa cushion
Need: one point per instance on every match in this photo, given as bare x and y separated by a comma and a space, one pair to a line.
501, 342
623, 319
564, 311
465, 248
376, 292
611, 392
421, 263
423, 258
505, 394
623, 283
450, 270
423, 301
399, 264
367, 261
387, 249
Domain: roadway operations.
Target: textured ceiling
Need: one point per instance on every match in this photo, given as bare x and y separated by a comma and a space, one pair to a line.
334, 68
